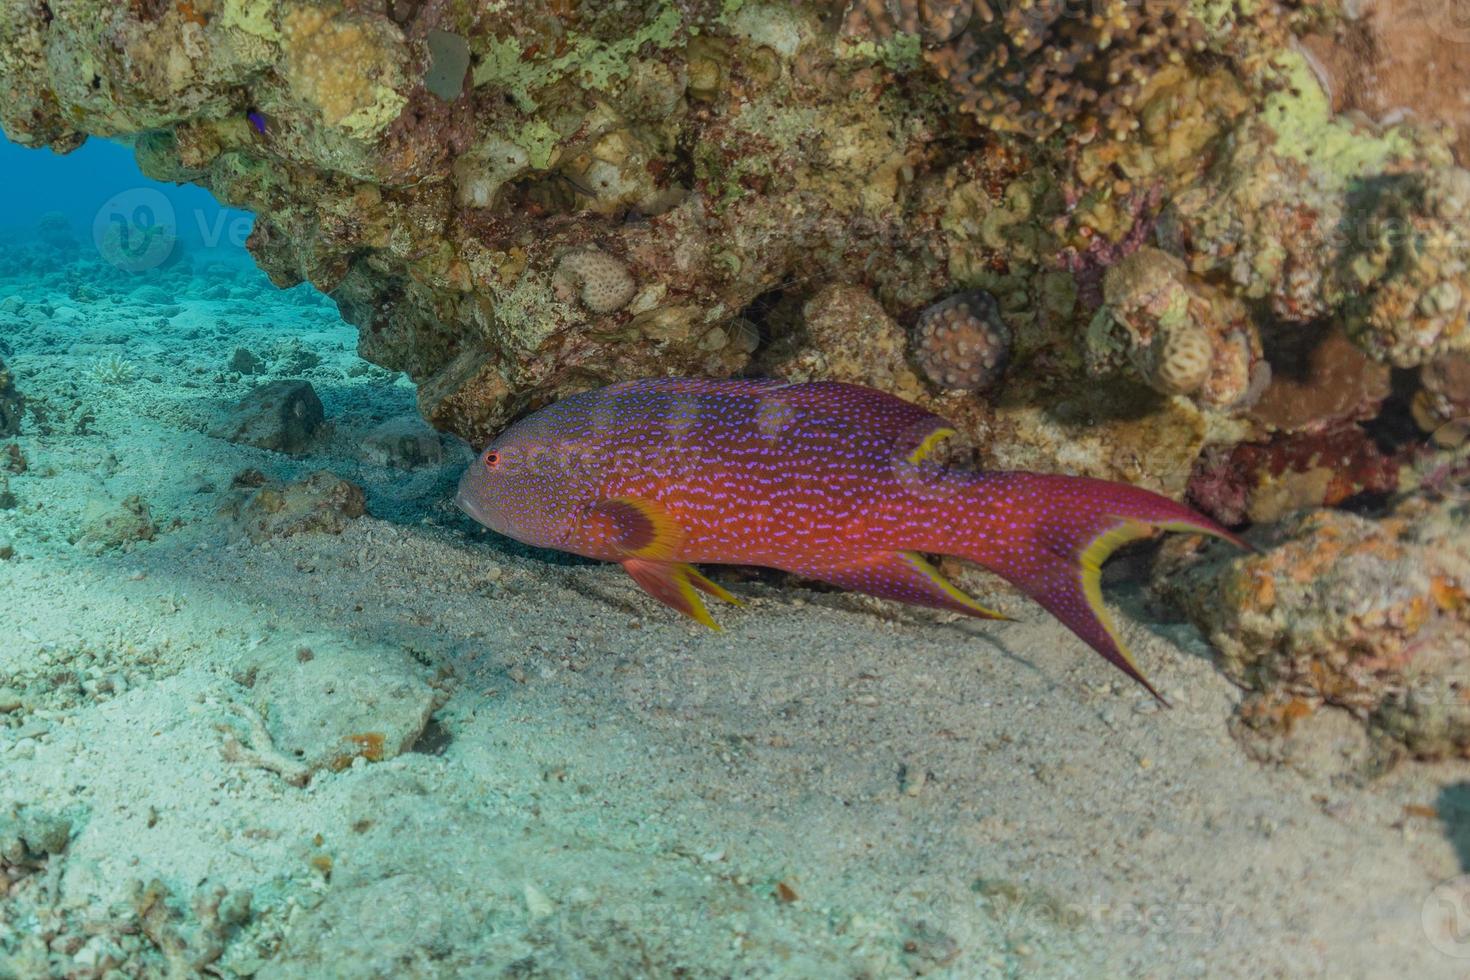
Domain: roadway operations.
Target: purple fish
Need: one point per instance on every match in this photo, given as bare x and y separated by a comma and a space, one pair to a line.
830, 481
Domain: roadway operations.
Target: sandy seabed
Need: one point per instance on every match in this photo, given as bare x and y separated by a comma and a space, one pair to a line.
588, 785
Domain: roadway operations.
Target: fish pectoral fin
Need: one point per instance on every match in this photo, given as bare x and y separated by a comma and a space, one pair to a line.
675, 584
905, 576
635, 527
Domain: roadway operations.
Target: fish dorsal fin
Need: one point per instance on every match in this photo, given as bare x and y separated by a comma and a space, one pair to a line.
636, 527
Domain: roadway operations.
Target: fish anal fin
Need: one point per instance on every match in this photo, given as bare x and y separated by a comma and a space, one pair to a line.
635, 527
677, 585
904, 576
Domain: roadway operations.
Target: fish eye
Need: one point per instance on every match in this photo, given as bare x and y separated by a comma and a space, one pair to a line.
492, 460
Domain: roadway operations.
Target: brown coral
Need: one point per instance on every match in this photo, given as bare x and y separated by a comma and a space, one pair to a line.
1039, 66
961, 342
1441, 406
1319, 380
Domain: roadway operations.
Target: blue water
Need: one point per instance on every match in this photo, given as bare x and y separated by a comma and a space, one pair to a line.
99, 184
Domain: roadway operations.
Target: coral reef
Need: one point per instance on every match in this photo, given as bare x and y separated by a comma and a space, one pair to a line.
1369, 614
518, 203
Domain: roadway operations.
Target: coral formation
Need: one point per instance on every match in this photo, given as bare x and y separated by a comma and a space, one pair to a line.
1441, 407
1041, 65
114, 369
844, 334
1180, 334
599, 280
12, 405
1263, 482
1319, 380
1369, 614
962, 343
1413, 267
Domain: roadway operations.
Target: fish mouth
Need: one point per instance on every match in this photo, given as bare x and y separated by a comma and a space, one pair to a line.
466, 505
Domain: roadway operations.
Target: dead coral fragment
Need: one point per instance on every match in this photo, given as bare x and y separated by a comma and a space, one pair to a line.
28, 835
108, 526
961, 343
599, 280
189, 947
282, 416
322, 503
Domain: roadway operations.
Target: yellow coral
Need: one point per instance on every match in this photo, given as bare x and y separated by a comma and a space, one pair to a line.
320, 47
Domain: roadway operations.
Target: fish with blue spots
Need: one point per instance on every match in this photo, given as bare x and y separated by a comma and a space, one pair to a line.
830, 481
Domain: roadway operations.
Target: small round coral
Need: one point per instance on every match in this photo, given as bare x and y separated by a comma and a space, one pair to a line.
1178, 361
600, 280
961, 343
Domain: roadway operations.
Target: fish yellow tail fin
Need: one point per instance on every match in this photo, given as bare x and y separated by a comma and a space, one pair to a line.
1050, 535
